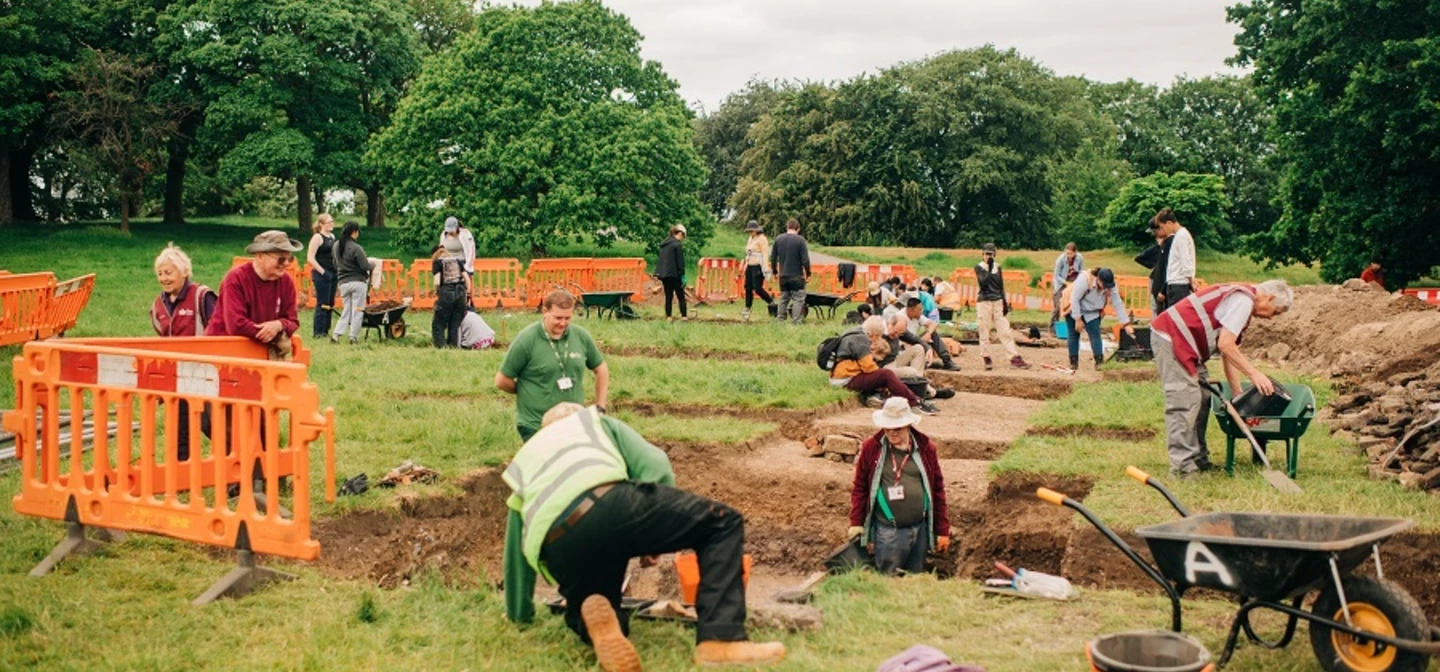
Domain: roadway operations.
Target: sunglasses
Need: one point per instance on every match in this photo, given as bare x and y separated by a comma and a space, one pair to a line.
282, 259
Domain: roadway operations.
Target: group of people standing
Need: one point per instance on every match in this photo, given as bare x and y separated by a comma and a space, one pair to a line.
788, 257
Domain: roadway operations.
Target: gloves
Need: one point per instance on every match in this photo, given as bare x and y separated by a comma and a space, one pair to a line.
942, 544
856, 530
1006, 309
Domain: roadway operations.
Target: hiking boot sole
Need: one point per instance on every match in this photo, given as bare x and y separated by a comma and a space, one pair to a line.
612, 649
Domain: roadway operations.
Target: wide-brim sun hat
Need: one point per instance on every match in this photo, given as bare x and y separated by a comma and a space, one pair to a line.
895, 414
873, 288
273, 241
753, 226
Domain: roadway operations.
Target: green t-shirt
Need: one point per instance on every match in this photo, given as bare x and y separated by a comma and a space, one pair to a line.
533, 362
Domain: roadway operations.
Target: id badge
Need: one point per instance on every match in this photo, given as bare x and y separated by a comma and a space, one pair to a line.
565, 383
895, 493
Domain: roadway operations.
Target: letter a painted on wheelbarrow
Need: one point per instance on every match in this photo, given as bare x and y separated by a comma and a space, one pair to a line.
1199, 559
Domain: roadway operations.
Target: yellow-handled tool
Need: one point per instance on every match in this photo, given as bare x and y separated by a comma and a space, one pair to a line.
1051, 496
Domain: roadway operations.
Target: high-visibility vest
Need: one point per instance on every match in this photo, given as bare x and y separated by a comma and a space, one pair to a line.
1191, 325
558, 464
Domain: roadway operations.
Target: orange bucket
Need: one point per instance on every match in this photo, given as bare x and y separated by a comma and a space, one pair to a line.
687, 567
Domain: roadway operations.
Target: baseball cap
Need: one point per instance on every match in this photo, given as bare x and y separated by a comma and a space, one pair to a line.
1107, 277
451, 225
989, 248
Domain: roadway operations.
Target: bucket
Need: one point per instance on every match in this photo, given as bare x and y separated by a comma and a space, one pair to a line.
1061, 331
1148, 651
687, 567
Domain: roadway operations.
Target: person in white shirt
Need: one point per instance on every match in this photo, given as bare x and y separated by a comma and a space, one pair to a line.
1180, 269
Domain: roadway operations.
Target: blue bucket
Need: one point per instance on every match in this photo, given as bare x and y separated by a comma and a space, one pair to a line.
1061, 331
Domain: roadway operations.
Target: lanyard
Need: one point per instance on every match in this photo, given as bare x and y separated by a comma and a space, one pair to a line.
558, 359
900, 464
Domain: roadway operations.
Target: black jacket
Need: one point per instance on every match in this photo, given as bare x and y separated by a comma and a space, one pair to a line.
671, 263
351, 264
1162, 263
991, 281
790, 256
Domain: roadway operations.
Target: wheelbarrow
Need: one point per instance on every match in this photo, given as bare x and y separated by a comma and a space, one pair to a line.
1287, 423
616, 304
821, 303
386, 318
1357, 623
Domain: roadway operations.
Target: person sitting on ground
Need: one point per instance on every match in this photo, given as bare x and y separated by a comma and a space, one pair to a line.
452, 297
875, 297
1089, 294
946, 296
474, 333
905, 354
926, 293
898, 473
855, 367
1067, 267
182, 309
859, 315
929, 332
589, 494
993, 310
257, 300
1183, 338
1374, 272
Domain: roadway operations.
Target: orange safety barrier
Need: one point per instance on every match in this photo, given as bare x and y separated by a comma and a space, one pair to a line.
1017, 286
66, 302
422, 283
966, 286
546, 275
499, 283
1430, 295
718, 280
393, 285
618, 275
25, 300
1135, 292
263, 413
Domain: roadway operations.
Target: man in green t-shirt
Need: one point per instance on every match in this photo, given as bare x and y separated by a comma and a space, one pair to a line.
546, 365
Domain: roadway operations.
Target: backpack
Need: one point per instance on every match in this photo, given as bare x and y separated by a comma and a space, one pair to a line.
825, 354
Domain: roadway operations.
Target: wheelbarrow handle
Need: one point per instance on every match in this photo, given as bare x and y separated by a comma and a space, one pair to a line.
1139, 475
1059, 499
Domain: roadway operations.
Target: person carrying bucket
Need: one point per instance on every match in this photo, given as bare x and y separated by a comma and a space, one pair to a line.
589, 493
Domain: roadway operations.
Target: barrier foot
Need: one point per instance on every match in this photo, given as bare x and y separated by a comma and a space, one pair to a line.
241, 581
75, 543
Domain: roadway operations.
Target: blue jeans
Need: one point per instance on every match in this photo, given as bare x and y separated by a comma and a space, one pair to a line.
1092, 328
900, 548
324, 284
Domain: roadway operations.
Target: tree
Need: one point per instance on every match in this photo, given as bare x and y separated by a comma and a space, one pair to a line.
544, 124
1199, 202
118, 130
953, 150
723, 136
36, 54
1354, 85
1084, 186
440, 22
298, 86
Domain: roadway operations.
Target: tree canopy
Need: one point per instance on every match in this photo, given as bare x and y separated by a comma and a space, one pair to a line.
1357, 130
542, 124
1199, 203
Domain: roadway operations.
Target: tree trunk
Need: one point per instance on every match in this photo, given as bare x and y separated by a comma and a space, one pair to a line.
124, 213
179, 154
303, 192
22, 198
319, 199
7, 209
374, 207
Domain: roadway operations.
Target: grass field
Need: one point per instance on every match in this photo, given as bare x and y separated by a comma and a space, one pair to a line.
128, 608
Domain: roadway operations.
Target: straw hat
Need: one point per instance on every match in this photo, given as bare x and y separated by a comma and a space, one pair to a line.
273, 241
895, 414
753, 226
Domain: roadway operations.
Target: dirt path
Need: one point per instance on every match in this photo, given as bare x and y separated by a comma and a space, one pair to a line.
970, 426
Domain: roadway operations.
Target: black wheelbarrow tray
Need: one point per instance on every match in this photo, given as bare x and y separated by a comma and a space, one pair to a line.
1357, 623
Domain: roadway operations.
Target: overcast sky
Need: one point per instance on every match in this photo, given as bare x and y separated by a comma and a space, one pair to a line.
713, 47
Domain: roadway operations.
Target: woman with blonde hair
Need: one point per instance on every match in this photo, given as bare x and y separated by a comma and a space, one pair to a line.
322, 272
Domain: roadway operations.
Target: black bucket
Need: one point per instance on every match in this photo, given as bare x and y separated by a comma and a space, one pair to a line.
1148, 651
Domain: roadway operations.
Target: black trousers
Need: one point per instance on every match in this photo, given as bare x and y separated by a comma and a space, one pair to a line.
674, 289
324, 284
938, 346
755, 285
1176, 293
451, 305
635, 519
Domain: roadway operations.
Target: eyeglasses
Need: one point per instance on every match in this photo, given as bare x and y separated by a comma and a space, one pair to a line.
283, 259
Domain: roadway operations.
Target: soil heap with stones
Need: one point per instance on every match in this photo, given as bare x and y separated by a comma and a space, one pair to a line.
1384, 352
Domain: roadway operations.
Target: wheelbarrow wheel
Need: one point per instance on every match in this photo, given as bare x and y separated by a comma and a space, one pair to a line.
396, 329
1375, 605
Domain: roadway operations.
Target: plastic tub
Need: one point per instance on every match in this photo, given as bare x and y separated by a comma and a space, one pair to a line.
1148, 651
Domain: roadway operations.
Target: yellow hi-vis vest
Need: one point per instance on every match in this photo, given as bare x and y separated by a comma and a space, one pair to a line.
558, 464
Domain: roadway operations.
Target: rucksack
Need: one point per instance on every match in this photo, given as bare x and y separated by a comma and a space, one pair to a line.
825, 354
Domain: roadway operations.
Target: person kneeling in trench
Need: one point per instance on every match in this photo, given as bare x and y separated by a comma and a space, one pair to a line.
589, 493
898, 474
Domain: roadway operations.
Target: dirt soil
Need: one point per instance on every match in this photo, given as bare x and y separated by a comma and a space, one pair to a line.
1011, 525
970, 426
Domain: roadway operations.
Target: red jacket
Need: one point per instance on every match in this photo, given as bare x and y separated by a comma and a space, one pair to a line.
861, 496
246, 301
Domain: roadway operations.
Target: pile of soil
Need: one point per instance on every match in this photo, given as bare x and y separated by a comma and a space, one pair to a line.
1011, 525
1384, 351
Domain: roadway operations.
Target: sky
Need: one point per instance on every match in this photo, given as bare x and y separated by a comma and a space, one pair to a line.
713, 47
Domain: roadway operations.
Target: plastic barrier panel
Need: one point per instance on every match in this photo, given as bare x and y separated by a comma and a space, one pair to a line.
1135, 292
24, 306
546, 275
422, 283
1046, 292
67, 300
393, 285
719, 280
966, 286
1430, 295
618, 275
499, 283
263, 416
1017, 287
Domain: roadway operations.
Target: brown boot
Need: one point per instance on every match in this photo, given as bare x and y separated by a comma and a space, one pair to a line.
1019, 362
615, 653
714, 653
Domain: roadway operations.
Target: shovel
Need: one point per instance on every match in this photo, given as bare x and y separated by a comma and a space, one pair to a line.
1276, 479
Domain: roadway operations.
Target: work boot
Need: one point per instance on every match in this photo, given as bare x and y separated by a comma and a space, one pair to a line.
615, 653
715, 653
950, 366
745, 315
1019, 362
944, 393
989, 365
875, 400
1075, 362
1099, 359
925, 408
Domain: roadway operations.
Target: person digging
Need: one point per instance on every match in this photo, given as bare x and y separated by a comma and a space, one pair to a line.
1183, 338
1089, 294
589, 493
897, 502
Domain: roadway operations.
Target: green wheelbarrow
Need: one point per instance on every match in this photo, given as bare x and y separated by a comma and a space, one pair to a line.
1287, 424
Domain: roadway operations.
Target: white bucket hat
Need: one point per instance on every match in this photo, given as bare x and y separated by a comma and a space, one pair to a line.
895, 414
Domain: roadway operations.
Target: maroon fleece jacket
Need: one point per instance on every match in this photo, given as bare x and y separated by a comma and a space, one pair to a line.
861, 497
